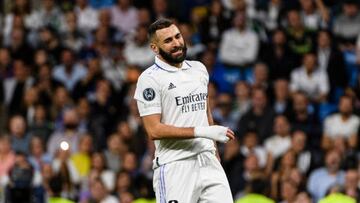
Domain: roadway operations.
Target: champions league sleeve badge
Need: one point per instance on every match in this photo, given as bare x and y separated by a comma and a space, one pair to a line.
149, 94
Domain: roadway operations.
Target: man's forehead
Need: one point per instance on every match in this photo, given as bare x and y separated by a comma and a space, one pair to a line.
164, 33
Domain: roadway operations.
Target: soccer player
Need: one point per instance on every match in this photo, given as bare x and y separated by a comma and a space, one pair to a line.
172, 97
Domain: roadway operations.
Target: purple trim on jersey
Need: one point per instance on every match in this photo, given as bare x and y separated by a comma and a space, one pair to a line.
162, 185
188, 64
160, 67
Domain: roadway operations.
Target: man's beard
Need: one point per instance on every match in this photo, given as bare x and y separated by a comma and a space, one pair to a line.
171, 59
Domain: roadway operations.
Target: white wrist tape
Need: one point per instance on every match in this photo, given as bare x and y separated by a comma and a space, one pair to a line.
214, 132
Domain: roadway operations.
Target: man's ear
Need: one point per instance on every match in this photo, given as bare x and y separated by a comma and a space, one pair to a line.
154, 48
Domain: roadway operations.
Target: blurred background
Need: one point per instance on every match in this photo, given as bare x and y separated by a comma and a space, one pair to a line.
284, 75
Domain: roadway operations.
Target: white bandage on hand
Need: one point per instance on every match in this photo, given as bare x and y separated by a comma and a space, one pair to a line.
214, 132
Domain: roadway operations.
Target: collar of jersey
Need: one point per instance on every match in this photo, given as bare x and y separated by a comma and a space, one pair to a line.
162, 65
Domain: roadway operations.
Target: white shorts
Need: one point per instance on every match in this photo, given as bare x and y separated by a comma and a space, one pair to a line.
199, 179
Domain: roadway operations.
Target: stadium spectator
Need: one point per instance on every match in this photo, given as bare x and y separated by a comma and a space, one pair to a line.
278, 56
281, 101
303, 197
124, 16
344, 125
303, 155
314, 14
239, 39
347, 25
87, 16
102, 109
41, 126
15, 87
300, 39
288, 191
242, 99
86, 87
72, 37
281, 137
100, 171
38, 155
283, 168
250, 145
259, 118
82, 159
322, 179
99, 193
351, 184
68, 132
7, 158
257, 191
69, 72
5, 63
213, 24
45, 84
49, 40
20, 139
114, 154
55, 189
260, 76
222, 113
309, 79
331, 60
49, 14
270, 14
193, 44
137, 48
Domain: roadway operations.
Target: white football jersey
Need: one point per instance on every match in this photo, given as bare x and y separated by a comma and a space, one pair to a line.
180, 96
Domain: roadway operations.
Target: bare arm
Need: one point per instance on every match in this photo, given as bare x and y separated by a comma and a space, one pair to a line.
326, 142
352, 141
157, 130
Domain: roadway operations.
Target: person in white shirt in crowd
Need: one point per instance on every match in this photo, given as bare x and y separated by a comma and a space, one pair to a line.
87, 17
344, 125
271, 14
309, 79
124, 16
99, 193
239, 45
48, 14
250, 145
298, 145
314, 14
281, 138
137, 48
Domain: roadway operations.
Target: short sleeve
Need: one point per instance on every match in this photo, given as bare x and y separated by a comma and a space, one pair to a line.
148, 97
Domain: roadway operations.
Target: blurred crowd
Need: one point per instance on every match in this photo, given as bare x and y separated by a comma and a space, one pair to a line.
284, 75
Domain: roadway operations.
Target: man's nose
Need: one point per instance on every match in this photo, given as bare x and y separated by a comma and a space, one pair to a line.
177, 43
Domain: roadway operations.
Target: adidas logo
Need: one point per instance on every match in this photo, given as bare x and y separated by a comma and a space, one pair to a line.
171, 86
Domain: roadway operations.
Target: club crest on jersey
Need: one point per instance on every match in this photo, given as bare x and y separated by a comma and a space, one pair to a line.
149, 94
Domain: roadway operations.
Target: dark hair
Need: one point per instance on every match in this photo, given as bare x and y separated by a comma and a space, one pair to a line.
258, 186
55, 185
157, 25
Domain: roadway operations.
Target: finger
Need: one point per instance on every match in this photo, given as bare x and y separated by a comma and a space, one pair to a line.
230, 131
230, 135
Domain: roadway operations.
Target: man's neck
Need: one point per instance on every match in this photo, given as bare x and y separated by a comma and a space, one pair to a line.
177, 65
